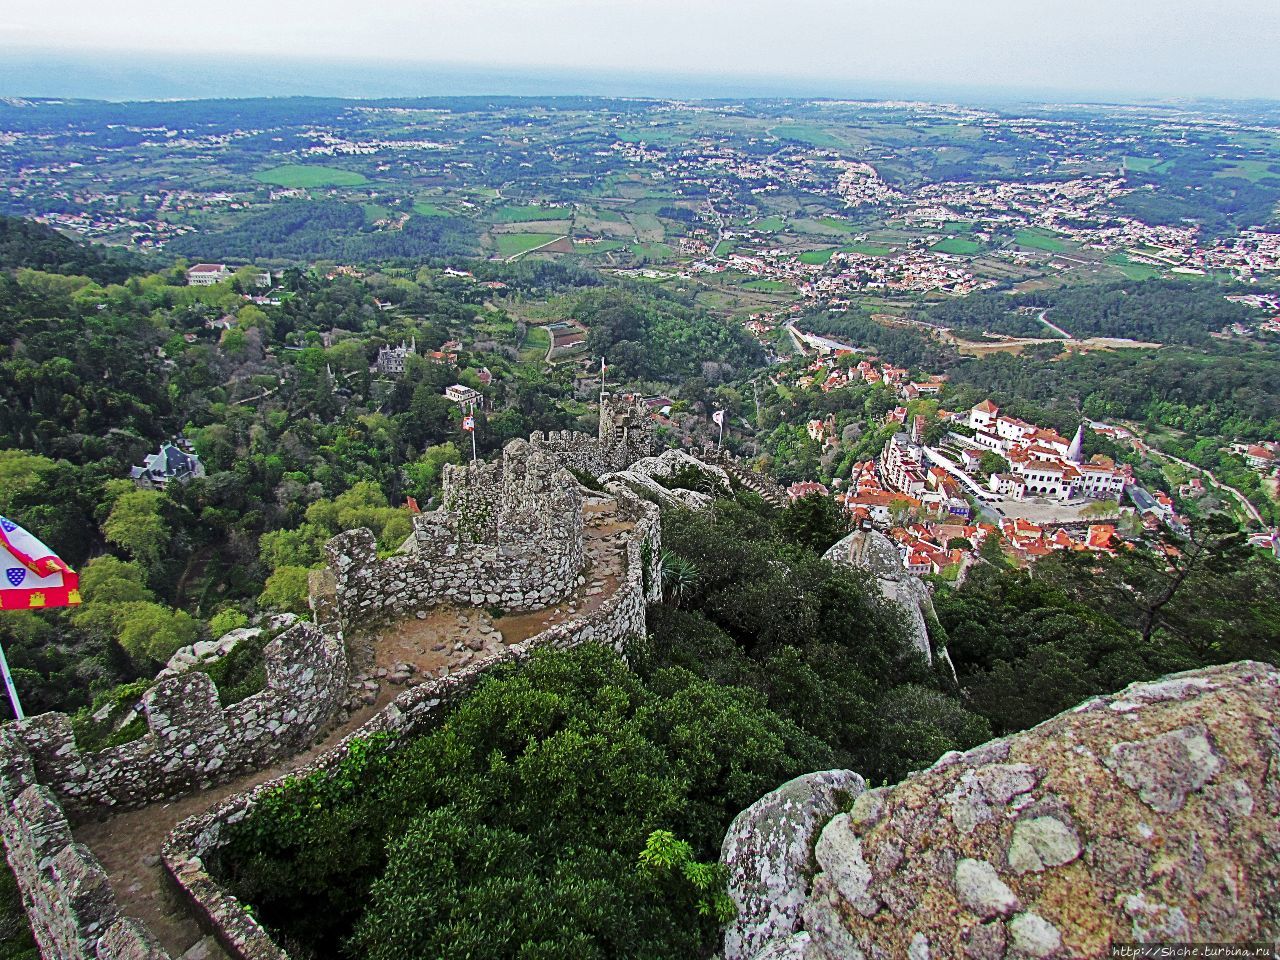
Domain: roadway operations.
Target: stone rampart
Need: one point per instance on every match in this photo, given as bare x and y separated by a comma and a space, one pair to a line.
192, 740
65, 891
509, 535
414, 712
625, 436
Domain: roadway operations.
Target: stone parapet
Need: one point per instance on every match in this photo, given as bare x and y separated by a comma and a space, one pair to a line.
415, 712
192, 741
66, 894
508, 536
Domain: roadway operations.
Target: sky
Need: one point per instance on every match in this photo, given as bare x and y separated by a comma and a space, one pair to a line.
1099, 48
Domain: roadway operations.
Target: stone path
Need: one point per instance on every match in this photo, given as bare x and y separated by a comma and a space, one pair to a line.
445, 639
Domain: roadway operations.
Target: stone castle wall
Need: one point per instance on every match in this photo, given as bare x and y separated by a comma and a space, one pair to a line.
625, 436
414, 712
65, 891
193, 741
509, 536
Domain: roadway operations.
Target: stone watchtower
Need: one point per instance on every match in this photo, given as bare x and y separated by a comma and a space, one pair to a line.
626, 433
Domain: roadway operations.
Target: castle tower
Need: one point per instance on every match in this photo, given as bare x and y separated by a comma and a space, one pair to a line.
626, 433
1075, 452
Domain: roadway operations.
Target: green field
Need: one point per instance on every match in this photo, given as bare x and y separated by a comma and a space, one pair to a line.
536, 343
374, 211
528, 213
1040, 240
657, 250
1134, 271
604, 246
817, 257
424, 208
814, 136
957, 245
512, 244
840, 225
1147, 164
957, 226
768, 286
298, 175
769, 225
1251, 170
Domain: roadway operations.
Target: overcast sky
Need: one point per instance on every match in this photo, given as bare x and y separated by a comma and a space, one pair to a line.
1138, 47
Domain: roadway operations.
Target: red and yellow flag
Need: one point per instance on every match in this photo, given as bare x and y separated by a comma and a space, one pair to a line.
32, 577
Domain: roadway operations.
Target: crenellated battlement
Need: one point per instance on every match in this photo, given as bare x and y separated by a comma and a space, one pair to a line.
192, 741
625, 436
509, 535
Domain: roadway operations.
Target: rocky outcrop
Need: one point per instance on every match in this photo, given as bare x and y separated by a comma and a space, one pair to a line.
769, 854
1149, 815
875, 554
648, 477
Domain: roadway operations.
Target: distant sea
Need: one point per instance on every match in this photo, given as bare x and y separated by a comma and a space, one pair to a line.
117, 76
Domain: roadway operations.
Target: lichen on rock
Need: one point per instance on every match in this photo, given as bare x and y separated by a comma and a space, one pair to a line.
1149, 815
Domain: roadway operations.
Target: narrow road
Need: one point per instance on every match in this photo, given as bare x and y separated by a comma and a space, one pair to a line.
1044, 318
541, 246
1249, 508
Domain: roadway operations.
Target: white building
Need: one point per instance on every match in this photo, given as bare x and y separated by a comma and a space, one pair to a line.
206, 274
1042, 463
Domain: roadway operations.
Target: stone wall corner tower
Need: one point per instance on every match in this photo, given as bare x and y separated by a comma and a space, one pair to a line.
626, 432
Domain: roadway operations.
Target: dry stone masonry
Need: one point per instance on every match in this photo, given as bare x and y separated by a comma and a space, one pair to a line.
625, 436
509, 535
1149, 815
65, 891
192, 740
414, 712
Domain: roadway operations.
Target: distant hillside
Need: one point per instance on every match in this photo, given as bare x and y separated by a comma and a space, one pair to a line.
33, 245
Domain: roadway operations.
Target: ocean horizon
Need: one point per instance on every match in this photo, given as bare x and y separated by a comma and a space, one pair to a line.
116, 76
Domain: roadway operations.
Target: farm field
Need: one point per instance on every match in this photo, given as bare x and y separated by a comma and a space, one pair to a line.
1132, 270
1036, 239
514, 244
817, 257
867, 249
1251, 170
957, 246
529, 213
304, 175
424, 208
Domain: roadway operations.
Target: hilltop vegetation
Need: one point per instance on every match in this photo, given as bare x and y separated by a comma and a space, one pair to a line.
1163, 311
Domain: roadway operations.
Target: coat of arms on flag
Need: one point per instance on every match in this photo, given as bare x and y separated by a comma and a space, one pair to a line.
718, 417
468, 422
34, 577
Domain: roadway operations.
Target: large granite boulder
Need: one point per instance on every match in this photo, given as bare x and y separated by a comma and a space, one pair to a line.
675, 461
769, 854
875, 554
1149, 815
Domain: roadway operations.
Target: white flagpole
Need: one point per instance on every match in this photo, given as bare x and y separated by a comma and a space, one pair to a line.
720, 439
602, 381
473, 431
10, 688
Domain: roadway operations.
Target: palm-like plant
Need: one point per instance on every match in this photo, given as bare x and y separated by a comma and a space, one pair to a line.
679, 576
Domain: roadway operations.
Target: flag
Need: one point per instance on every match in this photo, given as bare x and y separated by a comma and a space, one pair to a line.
34, 577
718, 417
469, 423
